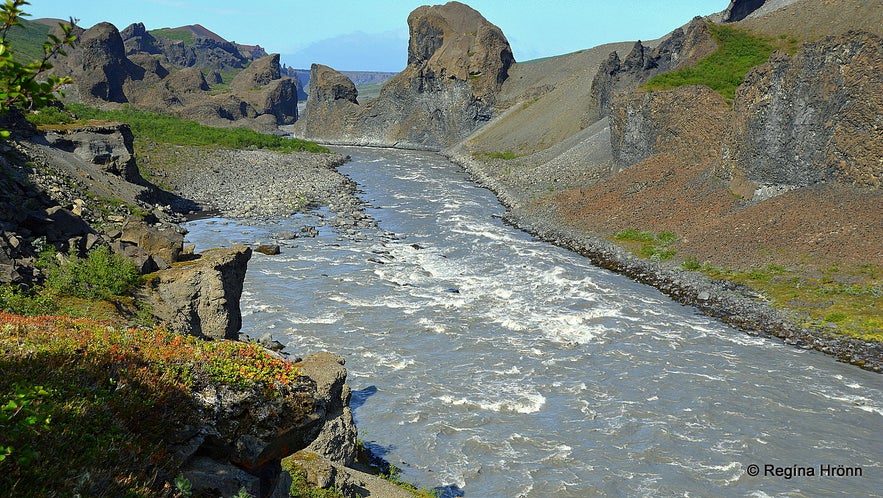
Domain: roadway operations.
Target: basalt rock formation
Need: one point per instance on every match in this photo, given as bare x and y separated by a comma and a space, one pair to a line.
201, 297
796, 120
683, 47
457, 63
243, 434
812, 117
163, 75
76, 188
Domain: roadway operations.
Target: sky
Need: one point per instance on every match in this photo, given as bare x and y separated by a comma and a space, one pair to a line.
372, 35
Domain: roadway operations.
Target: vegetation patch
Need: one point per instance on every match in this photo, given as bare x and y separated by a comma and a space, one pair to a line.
849, 297
506, 155
165, 129
86, 408
182, 35
724, 69
648, 244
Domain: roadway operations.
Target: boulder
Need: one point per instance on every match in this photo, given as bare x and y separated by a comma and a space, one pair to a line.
58, 225
160, 241
325, 474
268, 249
201, 297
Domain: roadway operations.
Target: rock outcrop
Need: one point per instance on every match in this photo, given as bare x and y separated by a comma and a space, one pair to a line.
110, 146
457, 63
812, 117
683, 47
99, 64
243, 434
201, 297
73, 188
740, 9
337, 441
796, 120
165, 75
645, 123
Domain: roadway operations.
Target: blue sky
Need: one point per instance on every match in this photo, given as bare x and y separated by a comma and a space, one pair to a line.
373, 34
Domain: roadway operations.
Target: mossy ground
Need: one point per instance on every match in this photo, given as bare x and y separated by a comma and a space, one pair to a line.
848, 296
92, 406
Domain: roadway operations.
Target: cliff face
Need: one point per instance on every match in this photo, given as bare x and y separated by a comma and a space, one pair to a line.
812, 117
683, 47
796, 121
457, 63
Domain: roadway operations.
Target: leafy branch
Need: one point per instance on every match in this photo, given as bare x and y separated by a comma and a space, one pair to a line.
21, 85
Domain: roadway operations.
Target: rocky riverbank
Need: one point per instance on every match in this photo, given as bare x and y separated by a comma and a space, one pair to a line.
732, 303
259, 183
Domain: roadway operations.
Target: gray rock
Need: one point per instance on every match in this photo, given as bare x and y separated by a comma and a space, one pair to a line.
457, 63
201, 297
268, 249
337, 441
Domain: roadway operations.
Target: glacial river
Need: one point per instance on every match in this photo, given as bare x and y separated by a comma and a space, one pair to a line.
491, 364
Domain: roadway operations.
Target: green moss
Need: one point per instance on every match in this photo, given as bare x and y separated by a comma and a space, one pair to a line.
724, 69
850, 296
648, 244
169, 130
506, 155
300, 487
182, 35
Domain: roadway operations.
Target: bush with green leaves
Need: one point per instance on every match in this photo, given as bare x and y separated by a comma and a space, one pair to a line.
26, 86
100, 275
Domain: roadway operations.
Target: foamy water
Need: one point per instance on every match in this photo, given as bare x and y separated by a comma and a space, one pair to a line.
495, 365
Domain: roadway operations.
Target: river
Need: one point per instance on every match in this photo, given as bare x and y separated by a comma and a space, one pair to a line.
491, 364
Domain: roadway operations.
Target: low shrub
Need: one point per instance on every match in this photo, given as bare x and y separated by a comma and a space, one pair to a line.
101, 275
649, 244
87, 409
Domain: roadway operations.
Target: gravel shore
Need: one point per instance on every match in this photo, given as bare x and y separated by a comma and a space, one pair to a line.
265, 184
732, 303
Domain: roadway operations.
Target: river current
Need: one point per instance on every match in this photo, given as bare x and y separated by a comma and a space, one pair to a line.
491, 364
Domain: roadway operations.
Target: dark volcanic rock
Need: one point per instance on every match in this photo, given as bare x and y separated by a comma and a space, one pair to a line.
201, 297
457, 62
136, 39
683, 47
110, 146
165, 75
814, 116
259, 73
99, 65
740, 9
